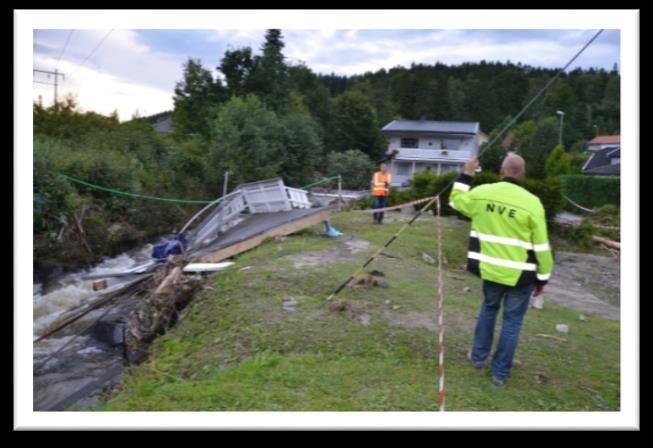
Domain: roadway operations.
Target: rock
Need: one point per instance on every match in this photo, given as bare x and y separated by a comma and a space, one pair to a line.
289, 304
396, 307
110, 331
562, 328
455, 277
541, 378
427, 258
467, 289
338, 305
387, 302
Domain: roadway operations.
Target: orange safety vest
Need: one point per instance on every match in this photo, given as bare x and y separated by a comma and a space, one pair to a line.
381, 184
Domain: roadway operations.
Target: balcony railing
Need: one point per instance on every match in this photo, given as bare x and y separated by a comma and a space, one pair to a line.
433, 154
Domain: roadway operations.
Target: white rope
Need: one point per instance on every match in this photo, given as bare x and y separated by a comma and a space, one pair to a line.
579, 206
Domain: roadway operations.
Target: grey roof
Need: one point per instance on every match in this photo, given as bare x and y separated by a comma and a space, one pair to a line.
605, 170
601, 158
427, 127
162, 122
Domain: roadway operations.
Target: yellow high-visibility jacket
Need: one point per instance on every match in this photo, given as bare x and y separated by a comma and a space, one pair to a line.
508, 241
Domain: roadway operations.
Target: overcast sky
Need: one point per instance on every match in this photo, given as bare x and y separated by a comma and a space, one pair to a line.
137, 69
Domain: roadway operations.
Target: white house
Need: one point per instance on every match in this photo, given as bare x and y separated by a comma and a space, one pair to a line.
439, 146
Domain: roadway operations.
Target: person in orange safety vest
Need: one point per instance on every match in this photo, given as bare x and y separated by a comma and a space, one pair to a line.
380, 191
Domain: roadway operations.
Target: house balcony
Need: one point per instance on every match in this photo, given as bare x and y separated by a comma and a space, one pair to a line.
428, 154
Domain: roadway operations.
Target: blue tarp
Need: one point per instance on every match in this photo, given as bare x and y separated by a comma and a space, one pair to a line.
170, 247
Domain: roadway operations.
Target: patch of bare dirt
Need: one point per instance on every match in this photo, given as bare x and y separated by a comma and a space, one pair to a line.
347, 246
588, 283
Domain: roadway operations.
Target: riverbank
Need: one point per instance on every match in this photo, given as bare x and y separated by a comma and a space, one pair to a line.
261, 336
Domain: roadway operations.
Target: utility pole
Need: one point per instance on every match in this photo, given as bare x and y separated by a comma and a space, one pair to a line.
226, 181
56, 74
562, 119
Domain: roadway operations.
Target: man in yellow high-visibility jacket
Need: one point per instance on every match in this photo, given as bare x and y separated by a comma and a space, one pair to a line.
509, 249
380, 191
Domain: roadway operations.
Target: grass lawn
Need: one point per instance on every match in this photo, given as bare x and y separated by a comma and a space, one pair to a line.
240, 347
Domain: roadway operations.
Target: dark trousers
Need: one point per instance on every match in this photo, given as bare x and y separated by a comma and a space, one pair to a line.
378, 202
515, 303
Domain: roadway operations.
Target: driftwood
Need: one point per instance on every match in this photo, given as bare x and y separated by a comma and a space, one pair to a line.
550, 336
606, 242
79, 217
159, 310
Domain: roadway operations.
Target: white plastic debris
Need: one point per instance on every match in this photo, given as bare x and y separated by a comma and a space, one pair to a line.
427, 258
562, 328
537, 302
207, 267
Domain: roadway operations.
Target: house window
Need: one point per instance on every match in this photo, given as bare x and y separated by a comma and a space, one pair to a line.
409, 142
450, 168
450, 143
403, 169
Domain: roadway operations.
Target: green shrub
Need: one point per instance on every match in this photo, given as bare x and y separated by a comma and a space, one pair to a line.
400, 196
550, 193
580, 235
355, 167
591, 191
485, 177
426, 184
54, 198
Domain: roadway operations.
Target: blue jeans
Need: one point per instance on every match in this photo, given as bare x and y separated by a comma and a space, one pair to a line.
378, 202
515, 304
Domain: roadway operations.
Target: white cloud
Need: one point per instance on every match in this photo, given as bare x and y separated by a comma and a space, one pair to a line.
328, 52
102, 92
123, 74
126, 74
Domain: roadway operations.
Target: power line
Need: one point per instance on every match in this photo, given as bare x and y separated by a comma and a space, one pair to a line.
527, 106
64, 47
97, 46
56, 74
421, 211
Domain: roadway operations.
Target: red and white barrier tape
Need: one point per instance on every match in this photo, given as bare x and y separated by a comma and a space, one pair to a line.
395, 207
440, 310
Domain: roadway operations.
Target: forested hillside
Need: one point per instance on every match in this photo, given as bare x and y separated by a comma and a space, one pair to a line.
265, 116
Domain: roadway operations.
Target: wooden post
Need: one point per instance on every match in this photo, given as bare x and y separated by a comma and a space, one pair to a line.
339, 193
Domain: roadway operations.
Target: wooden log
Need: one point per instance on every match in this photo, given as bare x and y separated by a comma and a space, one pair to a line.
99, 285
607, 242
169, 281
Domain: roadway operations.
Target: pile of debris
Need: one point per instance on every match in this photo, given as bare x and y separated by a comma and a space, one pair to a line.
159, 310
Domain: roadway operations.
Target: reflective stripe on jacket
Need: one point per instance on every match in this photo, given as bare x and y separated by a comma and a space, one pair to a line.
381, 184
508, 241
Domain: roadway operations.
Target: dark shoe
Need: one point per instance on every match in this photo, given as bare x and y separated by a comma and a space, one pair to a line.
478, 365
498, 381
